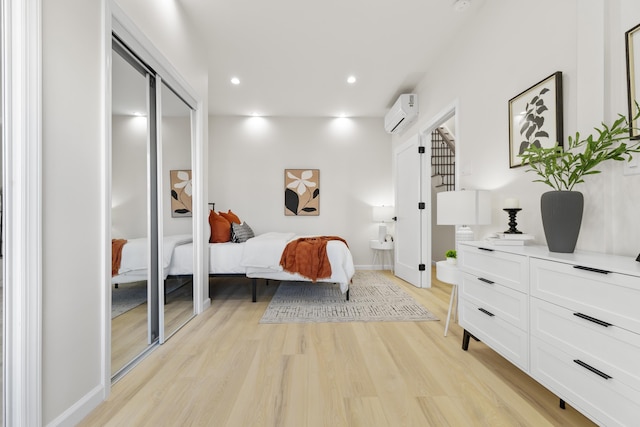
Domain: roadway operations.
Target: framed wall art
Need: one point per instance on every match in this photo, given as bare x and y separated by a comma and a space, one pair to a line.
632, 42
535, 118
302, 192
181, 201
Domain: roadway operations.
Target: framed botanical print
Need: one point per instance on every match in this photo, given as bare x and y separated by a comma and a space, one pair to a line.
302, 192
535, 118
632, 41
181, 202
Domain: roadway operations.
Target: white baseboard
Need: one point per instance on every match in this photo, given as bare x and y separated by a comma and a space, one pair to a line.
205, 304
78, 411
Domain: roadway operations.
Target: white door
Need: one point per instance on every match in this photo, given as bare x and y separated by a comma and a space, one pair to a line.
413, 260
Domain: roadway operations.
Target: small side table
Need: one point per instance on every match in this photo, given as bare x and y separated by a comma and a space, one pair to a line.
448, 273
380, 249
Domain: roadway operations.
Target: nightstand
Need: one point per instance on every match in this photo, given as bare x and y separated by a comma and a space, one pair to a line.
380, 251
448, 273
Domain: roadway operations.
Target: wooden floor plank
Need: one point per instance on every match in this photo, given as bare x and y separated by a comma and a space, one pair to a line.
226, 369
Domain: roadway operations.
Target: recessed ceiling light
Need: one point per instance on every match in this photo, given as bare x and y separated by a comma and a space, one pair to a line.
351, 79
235, 81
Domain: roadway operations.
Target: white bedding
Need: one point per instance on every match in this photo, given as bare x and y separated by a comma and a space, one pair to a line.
259, 257
133, 264
342, 268
224, 258
265, 250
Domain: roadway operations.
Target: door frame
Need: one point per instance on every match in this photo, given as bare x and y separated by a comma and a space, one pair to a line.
453, 109
22, 261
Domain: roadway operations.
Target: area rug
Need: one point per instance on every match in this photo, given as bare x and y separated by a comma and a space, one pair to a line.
372, 298
128, 296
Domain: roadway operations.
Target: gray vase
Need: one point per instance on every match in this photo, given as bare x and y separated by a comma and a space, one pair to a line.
561, 219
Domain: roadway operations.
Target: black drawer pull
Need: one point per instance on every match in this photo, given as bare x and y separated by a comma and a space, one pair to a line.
594, 270
593, 319
488, 313
482, 279
592, 369
485, 249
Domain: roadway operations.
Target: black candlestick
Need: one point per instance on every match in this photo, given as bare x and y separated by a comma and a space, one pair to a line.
512, 221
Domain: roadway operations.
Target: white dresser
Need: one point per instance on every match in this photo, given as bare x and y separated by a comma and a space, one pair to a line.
571, 321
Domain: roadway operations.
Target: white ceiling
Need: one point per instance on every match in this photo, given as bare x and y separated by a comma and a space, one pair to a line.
293, 57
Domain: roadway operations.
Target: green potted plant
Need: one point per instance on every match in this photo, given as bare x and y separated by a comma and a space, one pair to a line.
451, 256
563, 169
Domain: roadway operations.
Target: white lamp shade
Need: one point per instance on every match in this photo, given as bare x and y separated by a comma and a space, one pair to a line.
382, 214
466, 207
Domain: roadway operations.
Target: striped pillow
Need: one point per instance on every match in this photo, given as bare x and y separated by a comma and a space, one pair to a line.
241, 232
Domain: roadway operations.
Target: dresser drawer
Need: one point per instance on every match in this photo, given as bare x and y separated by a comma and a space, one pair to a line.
608, 402
505, 268
505, 303
613, 298
501, 336
614, 350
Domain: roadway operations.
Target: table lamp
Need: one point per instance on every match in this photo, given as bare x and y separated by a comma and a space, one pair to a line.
382, 214
464, 208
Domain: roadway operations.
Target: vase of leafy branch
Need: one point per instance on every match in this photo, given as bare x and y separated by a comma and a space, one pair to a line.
560, 169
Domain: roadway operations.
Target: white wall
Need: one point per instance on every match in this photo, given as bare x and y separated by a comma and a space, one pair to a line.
510, 45
73, 191
247, 158
72, 160
130, 175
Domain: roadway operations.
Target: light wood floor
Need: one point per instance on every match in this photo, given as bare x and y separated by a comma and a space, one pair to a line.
129, 331
226, 369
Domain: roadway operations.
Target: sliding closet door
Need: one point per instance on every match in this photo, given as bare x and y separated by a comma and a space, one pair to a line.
176, 193
134, 314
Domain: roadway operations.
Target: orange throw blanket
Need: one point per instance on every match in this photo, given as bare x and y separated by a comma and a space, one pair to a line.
307, 256
116, 255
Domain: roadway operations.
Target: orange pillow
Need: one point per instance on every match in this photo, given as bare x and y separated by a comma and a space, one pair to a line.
231, 217
220, 228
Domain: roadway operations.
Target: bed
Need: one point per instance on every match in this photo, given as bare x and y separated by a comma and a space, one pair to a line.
259, 258
133, 260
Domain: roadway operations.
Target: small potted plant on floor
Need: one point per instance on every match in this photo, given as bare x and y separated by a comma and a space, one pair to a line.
451, 256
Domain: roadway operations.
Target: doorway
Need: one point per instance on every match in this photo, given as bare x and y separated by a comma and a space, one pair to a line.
416, 203
443, 178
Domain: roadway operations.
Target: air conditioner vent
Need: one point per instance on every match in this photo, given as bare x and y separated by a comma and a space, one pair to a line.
402, 114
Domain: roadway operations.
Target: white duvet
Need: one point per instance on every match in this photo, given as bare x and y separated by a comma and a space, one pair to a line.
134, 263
265, 250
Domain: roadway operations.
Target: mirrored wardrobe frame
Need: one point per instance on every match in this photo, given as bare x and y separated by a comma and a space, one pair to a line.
128, 35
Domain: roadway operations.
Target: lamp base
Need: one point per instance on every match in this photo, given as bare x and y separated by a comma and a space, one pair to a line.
464, 233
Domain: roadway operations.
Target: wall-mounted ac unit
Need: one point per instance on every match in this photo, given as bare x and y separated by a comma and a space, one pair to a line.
403, 112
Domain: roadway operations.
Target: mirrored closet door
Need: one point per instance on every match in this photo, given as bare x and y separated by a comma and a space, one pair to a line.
152, 287
175, 133
133, 328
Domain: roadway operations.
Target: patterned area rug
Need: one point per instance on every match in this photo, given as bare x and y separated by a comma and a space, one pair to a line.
372, 298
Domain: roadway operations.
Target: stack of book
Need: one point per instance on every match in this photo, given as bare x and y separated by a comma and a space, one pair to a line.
507, 239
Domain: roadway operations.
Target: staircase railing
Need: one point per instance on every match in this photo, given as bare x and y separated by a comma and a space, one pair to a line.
443, 159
